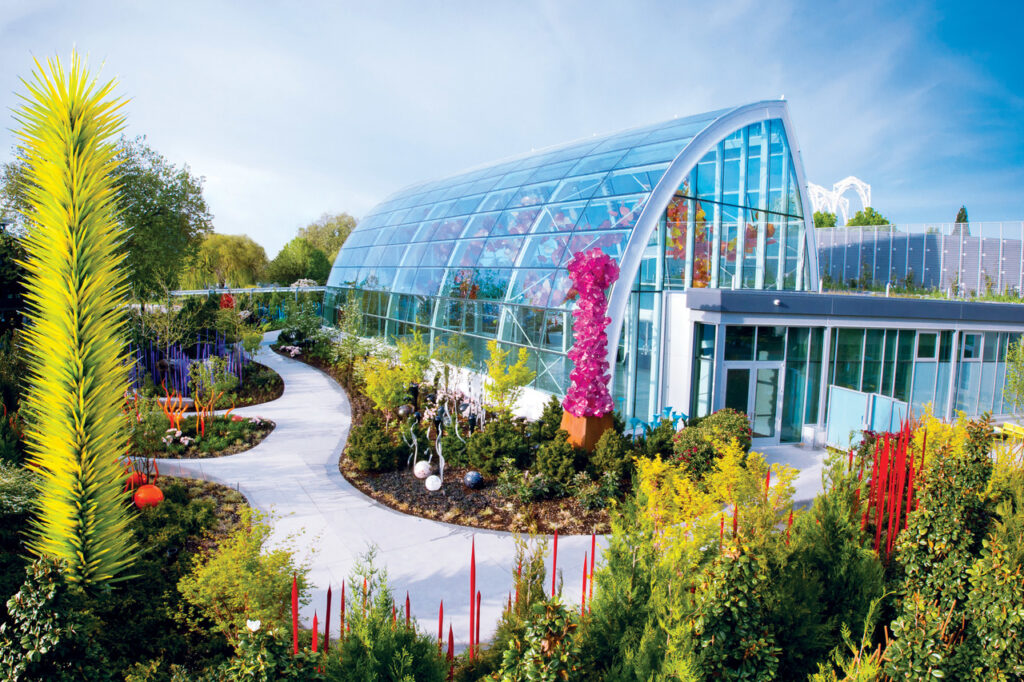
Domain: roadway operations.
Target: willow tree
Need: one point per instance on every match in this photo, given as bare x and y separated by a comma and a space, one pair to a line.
68, 123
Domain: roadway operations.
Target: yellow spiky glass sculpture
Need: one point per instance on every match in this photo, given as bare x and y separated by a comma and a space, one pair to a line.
75, 433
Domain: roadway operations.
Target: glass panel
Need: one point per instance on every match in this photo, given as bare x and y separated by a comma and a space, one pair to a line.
889, 364
904, 365
739, 344
971, 346
874, 344
991, 347
766, 400
795, 386
544, 250
479, 225
493, 284
703, 369
653, 153
737, 389
676, 240
608, 214
465, 205
927, 344
849, 353
968, 388
771, 343
612, 243
533, 194
924, 385
579, 187
702, 236
499, 252
598, 162
814, 375
559, 218
559, 289
437, 254
750, 249
495, 201
514, 222
532, 287
942, 378
631, 180
986, 392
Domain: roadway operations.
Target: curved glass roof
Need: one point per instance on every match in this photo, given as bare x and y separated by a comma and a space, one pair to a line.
489, 230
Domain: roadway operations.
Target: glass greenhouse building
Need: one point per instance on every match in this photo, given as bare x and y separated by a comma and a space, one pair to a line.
717, 301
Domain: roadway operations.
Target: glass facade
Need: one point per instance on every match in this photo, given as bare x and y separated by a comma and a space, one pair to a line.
483, 255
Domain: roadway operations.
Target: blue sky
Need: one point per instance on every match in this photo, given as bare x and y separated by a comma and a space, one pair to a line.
292, 109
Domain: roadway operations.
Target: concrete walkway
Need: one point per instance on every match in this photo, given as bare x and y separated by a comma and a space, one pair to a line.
294, 474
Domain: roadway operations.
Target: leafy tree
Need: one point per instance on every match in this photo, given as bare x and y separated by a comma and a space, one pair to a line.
329, 232
868, 216
76, 288
164, 214
385, 385
225, 259
299, 259
507, 381
824, 219
11, 275
161, 208
961, 215
414, 358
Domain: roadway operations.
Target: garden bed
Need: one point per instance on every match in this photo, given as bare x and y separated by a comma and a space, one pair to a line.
222, 437
261, 385
454, 503
481, 508
227, 502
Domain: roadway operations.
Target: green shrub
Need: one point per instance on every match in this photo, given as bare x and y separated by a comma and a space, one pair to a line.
523, 485
545, 428
556, 459
500, 438
694, 452
377, 648
49, 635
548, 650
613, 454
243, 579
726, 424
266, 655
658, 442
372, 447
17, 497
454, 449
593, 494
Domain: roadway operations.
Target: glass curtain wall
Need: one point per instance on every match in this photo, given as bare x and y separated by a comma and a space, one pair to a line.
736, 220
916, 366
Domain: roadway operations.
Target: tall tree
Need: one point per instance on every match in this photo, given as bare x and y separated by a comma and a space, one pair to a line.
868, 216
329, 232
824, 219
75, 290
961, 215
164, 214
299, 259
161, 206
227, 260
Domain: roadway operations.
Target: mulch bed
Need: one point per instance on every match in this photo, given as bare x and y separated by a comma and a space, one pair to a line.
454, 503
256, 437
227, 510
247, 395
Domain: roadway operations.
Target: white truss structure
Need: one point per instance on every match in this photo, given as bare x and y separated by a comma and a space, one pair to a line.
833, 200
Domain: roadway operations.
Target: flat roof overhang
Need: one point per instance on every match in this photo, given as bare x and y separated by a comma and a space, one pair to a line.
855, 306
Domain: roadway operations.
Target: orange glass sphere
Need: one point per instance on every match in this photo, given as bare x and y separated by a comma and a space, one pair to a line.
134, 480
148, 496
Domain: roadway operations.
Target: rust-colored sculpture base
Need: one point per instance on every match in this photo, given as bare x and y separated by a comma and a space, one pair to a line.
584, 432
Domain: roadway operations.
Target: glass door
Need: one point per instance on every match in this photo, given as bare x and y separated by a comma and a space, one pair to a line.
753, 388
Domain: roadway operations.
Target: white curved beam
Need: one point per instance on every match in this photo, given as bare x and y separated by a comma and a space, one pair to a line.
701, 144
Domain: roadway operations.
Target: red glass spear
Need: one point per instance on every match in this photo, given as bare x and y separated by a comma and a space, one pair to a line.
593, 553
342, 623
407, 609
440, 626
451, 654
476, 636
295, 615
583, 599
316, 631
472, 596
327, 623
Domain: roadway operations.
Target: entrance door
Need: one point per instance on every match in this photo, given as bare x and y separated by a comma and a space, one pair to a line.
754, 389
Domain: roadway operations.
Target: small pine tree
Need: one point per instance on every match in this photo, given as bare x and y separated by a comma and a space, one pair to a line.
556, 459
961, 215
507, 381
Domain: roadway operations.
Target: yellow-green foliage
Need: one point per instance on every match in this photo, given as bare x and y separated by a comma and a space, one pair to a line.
685, 515
506, 380
244, 580
75, 289
385, 384
414, 358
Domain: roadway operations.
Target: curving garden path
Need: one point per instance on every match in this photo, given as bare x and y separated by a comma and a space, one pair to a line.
294, 474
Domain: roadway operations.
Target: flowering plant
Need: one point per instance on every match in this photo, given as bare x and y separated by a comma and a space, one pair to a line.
592, 272
292, 351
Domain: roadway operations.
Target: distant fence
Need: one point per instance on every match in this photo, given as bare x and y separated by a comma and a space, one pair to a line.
968, 257
244, 290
